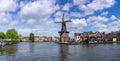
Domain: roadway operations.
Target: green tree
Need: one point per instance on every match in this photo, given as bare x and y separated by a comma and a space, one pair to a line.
2, 35
31, 37
11, 34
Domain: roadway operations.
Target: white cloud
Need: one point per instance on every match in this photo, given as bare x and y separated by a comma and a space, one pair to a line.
113, 17
98, 25
97, 19
85, 11
5, 18
89, 7
59, 13
38, 9
77, 25
58, 16
102, 24
25, 30
81, 22
114, 26
67, 6
82, 6
101, 4
13, 23
31, 21
109, 27
80, 2
104, 13
8, 5
106, 30
75, 14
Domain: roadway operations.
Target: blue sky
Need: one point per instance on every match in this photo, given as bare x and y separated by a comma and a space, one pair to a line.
38, 16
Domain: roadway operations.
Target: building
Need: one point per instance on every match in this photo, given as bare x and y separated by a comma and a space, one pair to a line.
113, 36
64, 34
100, 36
89, 36
41, 39
55, 39
49, 39
84, 36
92, 37
24, 39
118, 35
77, 37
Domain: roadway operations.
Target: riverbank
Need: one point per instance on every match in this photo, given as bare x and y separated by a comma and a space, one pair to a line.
70, 43
6, 42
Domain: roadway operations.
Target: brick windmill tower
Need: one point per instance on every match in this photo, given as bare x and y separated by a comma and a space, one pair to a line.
64, 37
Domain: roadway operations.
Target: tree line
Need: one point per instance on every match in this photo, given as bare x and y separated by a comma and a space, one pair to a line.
13, 35
10, 34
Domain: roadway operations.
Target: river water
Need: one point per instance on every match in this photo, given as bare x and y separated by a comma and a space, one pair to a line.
50, 51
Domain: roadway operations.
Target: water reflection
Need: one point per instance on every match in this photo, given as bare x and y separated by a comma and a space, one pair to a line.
38, 51
63, 52
1, 51
48, 51
9, 50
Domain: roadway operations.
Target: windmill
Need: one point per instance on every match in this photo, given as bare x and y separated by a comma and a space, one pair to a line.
64, 37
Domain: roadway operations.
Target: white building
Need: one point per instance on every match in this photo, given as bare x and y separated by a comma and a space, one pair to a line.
77, 37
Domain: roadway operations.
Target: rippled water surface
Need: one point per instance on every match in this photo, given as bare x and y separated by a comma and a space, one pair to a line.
49, 51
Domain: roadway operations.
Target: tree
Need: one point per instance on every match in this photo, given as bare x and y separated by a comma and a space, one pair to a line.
11, 34
2, 35
31, 37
